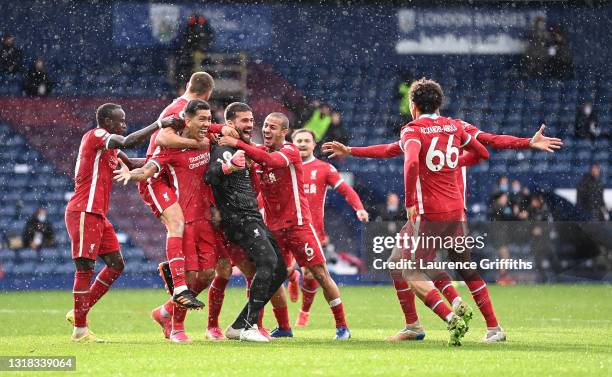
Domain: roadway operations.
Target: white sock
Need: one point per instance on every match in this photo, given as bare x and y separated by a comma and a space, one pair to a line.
456, 302
179, 289
79, 331
450, 316
335, 302
164, 312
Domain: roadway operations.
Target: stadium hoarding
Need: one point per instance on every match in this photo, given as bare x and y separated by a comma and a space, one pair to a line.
141, 25
461, 30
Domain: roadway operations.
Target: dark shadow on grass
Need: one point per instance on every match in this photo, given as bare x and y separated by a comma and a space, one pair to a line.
380, 345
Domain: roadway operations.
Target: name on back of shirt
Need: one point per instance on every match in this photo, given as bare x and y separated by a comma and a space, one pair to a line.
438, 129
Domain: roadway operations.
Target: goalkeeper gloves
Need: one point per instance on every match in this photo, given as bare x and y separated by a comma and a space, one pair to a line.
234, 163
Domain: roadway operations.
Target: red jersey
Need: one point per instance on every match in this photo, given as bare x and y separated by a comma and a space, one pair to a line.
93, 173
318, 175
492, 140
185, 169
174, 109
282, 185
431, 176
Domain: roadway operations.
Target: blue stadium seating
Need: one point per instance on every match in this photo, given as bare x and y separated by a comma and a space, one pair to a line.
27, 183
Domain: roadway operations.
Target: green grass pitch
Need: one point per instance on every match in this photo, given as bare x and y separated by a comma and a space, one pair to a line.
552, 331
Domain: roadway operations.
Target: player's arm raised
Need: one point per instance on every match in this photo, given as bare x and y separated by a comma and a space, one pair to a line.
337, 149
219, 167
168, 138
124, 174
140, 136
132, 163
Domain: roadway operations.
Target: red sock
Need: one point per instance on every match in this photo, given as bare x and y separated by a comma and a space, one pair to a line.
178, 318
174, 253
282, 317
216, 294
338, 310
480, 293
80, 295
309, 290
169, 307
406, 300
103, 281
445, 286
294, 276
435, 303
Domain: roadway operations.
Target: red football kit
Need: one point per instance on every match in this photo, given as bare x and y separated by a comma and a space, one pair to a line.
159, 192
90, 231
431, 146
287, 212
317, 176
487, 139
187, 168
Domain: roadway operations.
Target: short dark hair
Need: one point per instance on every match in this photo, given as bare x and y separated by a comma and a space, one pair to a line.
282, 117
427, 95
193, 106
201, 82
105, 111
234, 108
304, 130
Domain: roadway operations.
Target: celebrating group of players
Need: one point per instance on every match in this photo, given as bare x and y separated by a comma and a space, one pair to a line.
203, 181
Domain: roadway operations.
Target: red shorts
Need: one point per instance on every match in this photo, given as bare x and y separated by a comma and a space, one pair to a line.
199, 246
157, 195
91, 235
301, 242
435, 231
229, 250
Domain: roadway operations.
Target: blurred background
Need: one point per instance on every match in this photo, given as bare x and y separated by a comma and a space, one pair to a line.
340, 67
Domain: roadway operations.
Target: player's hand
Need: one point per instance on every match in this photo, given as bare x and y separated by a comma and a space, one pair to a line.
235, 163
122, 174
229, 131
363, 215
411, 213
203, 143
171, 121
545, 143
228, 141
336, 149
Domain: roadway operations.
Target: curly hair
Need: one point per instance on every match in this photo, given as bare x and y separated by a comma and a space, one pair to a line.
427, 95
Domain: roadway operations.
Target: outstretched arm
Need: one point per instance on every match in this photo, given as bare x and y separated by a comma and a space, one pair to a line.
140, 174
132, 163
337, 149
140, 136
272, 160
168, 138
538, 141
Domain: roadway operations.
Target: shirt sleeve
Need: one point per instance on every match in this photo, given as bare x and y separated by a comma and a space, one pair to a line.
411, 146
161, 159
279, 159
99, 139
335, 180
497, 141
378, 151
